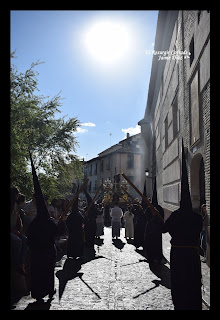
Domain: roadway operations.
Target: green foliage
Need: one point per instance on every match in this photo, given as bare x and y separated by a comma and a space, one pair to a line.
35, 125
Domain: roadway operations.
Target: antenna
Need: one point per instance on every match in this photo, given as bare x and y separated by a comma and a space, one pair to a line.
110, 139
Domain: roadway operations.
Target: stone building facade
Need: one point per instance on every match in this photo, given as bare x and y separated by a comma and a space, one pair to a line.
178, 106
125, 156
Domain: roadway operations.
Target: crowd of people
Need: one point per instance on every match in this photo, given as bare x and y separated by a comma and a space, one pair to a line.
144, 228
37, 226
23, 213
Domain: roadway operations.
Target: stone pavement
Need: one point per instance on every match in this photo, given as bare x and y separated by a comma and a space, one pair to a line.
117, 278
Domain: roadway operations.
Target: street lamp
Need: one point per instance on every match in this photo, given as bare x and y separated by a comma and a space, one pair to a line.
147, 171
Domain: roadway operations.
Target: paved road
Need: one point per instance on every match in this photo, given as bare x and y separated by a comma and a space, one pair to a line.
118, 278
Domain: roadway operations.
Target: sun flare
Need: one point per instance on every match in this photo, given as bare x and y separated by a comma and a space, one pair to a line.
107, 41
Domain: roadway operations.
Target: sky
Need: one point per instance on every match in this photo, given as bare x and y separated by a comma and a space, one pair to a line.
97, 60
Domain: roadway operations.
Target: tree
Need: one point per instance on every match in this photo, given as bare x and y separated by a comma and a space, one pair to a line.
35, 126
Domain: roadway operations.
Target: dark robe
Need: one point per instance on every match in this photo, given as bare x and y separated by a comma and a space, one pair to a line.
75, 235
41, 241
153, 234
90, 227
185, 265
139, 227
90, 222
41, 236
107, 218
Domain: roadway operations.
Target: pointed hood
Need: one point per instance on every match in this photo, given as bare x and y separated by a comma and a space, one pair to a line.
40, 202
155, 201
145, 190
154, 196
143, 203
185, 201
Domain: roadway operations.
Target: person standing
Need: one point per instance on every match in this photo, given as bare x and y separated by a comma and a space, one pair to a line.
116, 214
184, 226
90, 223
153, 231
74, 223
139, 225
100, 221
107, 218
129, 223
30, 208
17, 239
41, 236
140, 221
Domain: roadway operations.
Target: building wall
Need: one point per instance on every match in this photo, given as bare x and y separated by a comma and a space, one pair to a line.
179, 106
126, 156
92, 168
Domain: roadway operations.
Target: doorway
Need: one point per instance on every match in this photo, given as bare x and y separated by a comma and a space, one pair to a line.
197, 179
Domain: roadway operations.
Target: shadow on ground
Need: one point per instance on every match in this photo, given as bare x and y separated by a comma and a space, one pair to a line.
71, 270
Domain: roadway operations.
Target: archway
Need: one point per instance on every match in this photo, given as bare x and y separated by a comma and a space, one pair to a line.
197, 180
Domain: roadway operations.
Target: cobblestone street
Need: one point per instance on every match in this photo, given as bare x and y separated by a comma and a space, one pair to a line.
118, 278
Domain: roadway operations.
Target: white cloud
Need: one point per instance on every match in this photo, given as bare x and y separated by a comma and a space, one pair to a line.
132, 130
88, 124
80, 130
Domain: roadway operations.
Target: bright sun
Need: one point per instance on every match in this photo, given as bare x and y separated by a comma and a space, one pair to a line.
107, 41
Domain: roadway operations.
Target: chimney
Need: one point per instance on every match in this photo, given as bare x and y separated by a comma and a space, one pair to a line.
128, 135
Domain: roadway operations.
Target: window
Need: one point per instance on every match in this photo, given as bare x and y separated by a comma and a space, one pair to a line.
95, 187
108, 164
191, 50
102, 165
130, 161
175, 118
194, 109
166, 131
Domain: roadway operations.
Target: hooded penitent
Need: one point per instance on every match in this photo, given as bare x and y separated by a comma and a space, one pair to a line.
184, 226
153, 230
74, 224
155, 201
41, 241
143, 203
185, 201
154, 196
40, 202
90, 223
